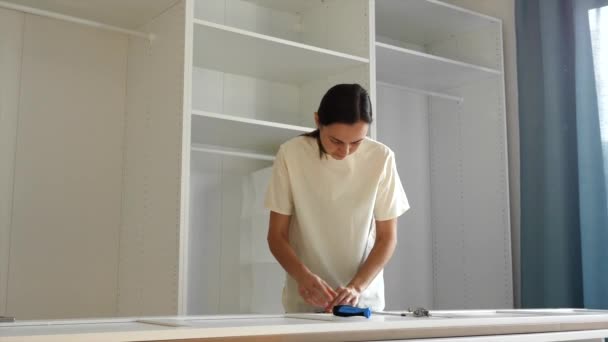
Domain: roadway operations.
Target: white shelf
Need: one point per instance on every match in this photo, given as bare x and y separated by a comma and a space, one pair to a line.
418, 70
237, 51
230, 152
233, 132
423, 22
457, 99
291, 6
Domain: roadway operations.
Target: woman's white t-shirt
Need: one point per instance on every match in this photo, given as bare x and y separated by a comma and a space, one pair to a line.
333, 206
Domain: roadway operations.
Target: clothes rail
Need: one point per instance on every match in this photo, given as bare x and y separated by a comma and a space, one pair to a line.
59, 16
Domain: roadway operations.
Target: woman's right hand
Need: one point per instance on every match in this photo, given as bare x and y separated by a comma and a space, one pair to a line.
315, 291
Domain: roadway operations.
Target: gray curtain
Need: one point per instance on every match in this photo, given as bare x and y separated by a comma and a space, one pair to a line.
564, 214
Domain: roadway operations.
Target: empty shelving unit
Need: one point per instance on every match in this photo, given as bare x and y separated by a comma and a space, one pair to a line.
441, 108
91, 165
139, 138
259, 71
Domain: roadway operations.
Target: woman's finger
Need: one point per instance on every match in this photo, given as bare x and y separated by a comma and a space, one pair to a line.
339, 297
350, 300
330, 290
305, 294
345, 299
308, 296
320, 299
326, 292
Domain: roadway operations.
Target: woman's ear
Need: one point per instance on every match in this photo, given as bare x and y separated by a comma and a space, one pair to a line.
317, 119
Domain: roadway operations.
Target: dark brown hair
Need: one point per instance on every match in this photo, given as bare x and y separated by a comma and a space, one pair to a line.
342, 103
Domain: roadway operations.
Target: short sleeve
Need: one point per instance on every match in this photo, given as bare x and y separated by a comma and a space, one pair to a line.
391, 201
278, 196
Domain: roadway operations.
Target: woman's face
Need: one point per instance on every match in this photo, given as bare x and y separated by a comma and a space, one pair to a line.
340, 140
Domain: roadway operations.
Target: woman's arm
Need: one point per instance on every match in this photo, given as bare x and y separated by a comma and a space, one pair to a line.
381, 253
314, 290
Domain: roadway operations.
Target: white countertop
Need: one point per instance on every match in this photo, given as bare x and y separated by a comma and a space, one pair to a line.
541, 325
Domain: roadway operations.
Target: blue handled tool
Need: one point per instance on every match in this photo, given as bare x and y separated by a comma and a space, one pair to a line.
349, 311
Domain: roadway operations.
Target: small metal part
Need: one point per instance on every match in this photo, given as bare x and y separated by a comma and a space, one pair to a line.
419, 312
7, 319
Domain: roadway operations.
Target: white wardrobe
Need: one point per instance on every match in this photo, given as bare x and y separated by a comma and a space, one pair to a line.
441, 108
92, 122
137, 140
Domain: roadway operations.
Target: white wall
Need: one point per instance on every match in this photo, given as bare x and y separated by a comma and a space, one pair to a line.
505, 10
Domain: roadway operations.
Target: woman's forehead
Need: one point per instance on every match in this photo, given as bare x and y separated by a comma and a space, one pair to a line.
348, 132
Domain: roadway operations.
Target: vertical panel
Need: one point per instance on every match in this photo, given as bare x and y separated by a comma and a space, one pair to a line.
339, 25
476, 47
485, 253
250, 16
449, 276
208, 90
205, 234
11, 42
210, 10
485, 189
186, 131
219, 266
259, 269
470, 200
371, 22
506, 11
403, 126
234, 172
68, 172
245, 96
150, 235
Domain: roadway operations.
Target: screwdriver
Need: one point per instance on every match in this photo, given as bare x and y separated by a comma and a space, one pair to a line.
349, 311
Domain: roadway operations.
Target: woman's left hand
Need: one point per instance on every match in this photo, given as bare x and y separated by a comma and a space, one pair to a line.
347, 295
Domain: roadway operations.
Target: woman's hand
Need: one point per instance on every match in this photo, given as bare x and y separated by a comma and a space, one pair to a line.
386, 240
348, 295
315, 291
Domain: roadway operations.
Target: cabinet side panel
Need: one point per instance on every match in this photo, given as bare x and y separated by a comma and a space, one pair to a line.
11, 42
150, 234
68, 171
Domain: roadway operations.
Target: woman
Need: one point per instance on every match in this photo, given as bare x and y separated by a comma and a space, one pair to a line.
334, 199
